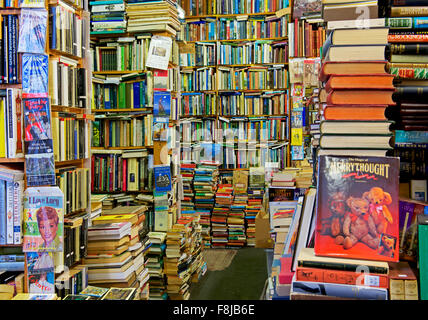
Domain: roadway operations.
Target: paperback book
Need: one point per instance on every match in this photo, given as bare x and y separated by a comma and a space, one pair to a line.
34, 75
32, 30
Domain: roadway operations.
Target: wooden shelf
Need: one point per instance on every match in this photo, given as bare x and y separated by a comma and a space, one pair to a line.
65, 54
118, 72
6, 11
12, 160
121, 148
10, 85
230, 15
69, 162
58, 108
121, 110
11, 245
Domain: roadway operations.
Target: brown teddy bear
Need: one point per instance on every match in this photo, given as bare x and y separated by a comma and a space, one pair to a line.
359, 225
333, 224
387, 245
379, 200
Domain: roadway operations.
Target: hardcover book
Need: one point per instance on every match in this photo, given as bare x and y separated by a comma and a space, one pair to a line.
357, 208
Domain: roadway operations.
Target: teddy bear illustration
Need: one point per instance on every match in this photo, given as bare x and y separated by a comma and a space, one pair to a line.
359, 225
379, 200
332, 225
387, 245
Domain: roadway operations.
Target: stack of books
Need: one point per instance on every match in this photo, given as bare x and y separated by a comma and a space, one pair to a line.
256, 189
155, 262
282, 179
328, 278
236, 221
304, 177
223, 201
409, 65
197, 265
149, 16
204, 187
332, 10
187, 172
359, 91
176, 266
108, 17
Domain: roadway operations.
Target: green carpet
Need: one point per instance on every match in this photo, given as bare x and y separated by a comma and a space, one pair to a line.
243, 279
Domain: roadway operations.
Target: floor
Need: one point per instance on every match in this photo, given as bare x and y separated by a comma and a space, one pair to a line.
243, 279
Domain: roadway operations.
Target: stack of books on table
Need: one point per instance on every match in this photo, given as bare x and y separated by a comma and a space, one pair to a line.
176, 266
359, 91
236, 221
155, 264
108, 17
223, 200
329, 278
149, 16
204, 187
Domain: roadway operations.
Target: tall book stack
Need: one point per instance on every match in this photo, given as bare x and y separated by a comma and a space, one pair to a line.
409, 64
176, 266
155, 264
187, 202
219, 217
204, 187
359, 91
236, 219
108, 17
256, 189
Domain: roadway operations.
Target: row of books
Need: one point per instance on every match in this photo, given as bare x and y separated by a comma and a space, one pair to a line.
70, 137
234, 28
248, 104
204, 7
120, 131
9, 67
74, 183
198, 104
256, 191
119, 171
195, 130
305, 39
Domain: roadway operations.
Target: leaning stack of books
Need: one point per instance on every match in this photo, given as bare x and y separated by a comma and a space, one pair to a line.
176, 265
236, 221
359, 91
155, 263
223, 200
204, 186
108, 17
409, 65
152, 16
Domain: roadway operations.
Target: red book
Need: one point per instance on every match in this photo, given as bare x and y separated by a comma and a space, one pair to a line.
125, 174
392, 38
361, 96
342, 277
355, 112
352, 67
357, 208
358, 81
285, 275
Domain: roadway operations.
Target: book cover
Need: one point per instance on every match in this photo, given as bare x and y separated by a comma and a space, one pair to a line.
357, 208
160, 129
37, 125
93, 291
306, 7
161, 103
162, 178
31, 3
40, 169
34, 75
43, 219
32, 30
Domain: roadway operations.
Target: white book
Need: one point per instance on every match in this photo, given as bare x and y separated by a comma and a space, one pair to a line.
108, 8
418, 190
11, 121
18, 193
53, 75
109, 24
9, 212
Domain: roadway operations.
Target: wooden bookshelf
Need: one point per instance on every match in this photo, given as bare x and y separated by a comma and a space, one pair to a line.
57, 108
11, 85
56, 52
122, 148
122, 110
12, 160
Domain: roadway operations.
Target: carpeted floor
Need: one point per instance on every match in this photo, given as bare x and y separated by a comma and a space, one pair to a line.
243, 275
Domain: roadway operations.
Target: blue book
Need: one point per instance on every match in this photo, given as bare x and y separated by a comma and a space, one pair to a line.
136, 93
34, 75
2, 212
97, 3
53, 28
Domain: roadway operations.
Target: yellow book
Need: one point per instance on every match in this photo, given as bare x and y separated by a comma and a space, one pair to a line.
2, 130
133, 174
133, 218
296, 136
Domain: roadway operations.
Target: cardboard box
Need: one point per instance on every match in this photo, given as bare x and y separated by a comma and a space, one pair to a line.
263, 238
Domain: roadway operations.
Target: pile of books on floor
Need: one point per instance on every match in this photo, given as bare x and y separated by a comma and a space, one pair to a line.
204, 187
108, 17
359, 91
198, 266
338, 278
236, 221
176, 266
100, 293
223, 200
256, 188
115, 255
155, 263
149, 16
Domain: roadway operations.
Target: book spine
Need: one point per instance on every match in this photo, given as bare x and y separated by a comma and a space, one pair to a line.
340, 266
393, 38
409, 48
408, 2
409, 73
11, 124
9, 212
18, 192
409, 11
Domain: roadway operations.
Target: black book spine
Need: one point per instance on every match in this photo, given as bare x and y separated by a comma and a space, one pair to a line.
14, 49
9, 49
410, 94
409, 48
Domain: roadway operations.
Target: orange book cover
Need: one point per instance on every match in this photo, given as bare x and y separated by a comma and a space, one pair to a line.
355, 112
355, 81
361, 96
357, 208
342, 277
352, 67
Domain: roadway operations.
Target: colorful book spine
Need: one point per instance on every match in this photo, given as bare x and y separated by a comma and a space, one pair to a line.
3, 194
18, 192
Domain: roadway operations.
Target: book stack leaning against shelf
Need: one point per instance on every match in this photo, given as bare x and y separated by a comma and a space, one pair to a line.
359, 91
356, 231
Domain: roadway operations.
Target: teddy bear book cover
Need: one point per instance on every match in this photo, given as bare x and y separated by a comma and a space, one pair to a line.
357, 208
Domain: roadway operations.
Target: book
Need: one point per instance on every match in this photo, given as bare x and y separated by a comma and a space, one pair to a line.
352, 67
356, 141
375, 36
374, 81
409, 11
349, 11
34, 76
361, 97
422, 259
32, 32
355, 127
119, 294
403, 283
371, 198
355, 112
345, 53
418, 189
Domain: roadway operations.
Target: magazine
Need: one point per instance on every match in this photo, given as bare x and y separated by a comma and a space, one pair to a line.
159, 52
162, 178
40, 169
37, 124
